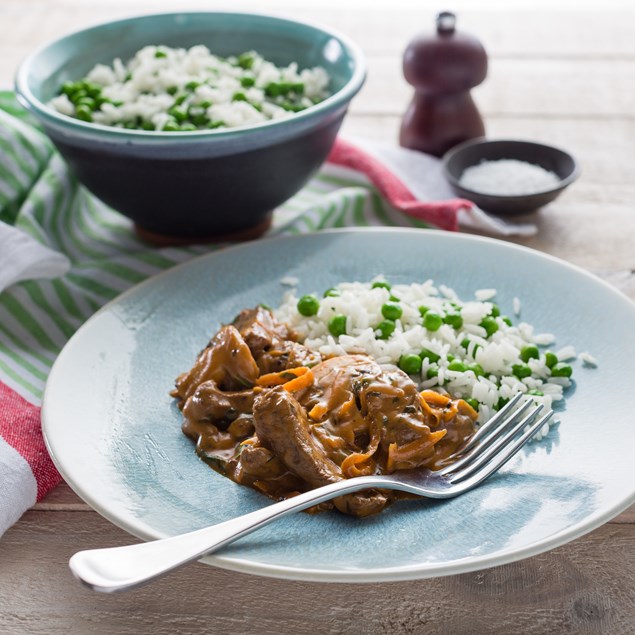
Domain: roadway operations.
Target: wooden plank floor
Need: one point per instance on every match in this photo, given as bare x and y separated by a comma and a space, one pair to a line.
564, 77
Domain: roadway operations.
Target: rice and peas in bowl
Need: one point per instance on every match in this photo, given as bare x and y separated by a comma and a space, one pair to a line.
178, 89
463, 348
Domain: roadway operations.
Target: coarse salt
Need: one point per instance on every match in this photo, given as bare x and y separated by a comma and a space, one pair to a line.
508, 177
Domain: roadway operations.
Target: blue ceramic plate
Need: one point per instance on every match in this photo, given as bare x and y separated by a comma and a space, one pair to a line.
115, 436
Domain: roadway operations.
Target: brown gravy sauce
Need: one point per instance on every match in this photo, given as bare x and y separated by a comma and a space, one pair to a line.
283, 433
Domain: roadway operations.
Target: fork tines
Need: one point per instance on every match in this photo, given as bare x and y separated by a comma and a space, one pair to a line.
497, 441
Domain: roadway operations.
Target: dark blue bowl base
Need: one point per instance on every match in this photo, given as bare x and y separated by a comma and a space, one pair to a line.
203, 199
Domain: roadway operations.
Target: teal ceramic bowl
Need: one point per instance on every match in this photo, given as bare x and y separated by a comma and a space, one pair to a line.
195, 186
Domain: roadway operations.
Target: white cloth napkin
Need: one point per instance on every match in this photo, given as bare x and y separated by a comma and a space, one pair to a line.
24, 258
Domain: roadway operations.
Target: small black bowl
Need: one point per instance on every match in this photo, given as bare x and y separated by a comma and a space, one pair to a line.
473, 152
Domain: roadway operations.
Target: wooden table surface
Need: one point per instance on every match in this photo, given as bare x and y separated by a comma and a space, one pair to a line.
565, 77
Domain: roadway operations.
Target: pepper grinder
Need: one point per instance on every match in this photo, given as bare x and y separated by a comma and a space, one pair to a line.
442, 67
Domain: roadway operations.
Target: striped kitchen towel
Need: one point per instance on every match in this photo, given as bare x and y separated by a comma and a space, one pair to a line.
63, 254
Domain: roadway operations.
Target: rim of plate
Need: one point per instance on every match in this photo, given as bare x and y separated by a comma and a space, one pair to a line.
383, 574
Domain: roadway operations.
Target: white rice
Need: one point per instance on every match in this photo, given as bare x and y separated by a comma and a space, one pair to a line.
587, 359
289, 281
567, 353
143, 91
482, 295
496, 354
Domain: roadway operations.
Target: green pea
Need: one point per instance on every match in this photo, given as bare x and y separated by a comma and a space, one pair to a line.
179, 100
454, 320
457, 366
394, 298
466, 342
205, 104
247, 82
160, 54
80, 93
477, 369
178, 113
273, 90
147, 125
432, 321
200, 121
337, 325
89, 102
561, 370
380, 285
433, 371
423, 310
410, 364
69, 88
298, 87
83, 113
93, 90
450, 358
521, 370
290, 106
386, 329
216, 124
495, 312
507, 320
331, 293
551, 359
246, 61
490, 325
187, 127
432, 357
239, 97
308, 305
473, 403
171, 126
193, 85
391, 311
502, 401
529, 352
172, 90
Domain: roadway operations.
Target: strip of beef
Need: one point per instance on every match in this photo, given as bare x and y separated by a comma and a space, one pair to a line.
394, 402
260, 329
227, 361
357, 393
282, 426
271, 343
210, 403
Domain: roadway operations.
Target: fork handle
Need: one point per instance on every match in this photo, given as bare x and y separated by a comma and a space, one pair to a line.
122, 568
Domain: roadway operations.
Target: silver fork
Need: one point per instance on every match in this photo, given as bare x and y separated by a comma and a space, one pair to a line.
495, 442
